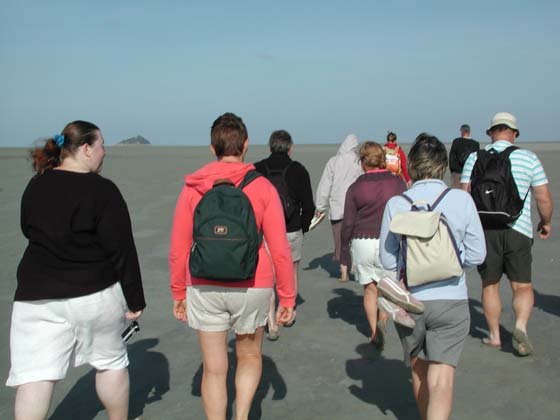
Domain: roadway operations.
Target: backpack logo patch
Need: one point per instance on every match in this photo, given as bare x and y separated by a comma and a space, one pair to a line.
220, 230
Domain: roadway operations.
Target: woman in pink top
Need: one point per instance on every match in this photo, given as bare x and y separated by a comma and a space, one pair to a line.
213, 307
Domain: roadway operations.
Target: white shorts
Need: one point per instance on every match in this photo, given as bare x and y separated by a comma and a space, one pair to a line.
366, 261
218, 308
296, 244
46, 334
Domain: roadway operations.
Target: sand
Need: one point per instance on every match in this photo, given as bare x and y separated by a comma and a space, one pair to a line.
319, 369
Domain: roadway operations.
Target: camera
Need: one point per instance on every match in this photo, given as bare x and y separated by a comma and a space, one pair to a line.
130, 331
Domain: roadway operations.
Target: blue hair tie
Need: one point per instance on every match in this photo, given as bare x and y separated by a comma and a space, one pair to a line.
59, 139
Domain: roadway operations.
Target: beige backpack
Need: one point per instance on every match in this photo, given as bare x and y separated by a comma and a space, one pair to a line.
429, 250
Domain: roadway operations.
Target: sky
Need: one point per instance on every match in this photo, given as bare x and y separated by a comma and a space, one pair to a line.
318, 69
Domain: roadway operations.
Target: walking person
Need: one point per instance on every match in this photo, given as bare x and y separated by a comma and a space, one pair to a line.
460, 150
509, 245
432, 348
340, 172
212, 306
293, 184
363, 211
78, 280
395, 158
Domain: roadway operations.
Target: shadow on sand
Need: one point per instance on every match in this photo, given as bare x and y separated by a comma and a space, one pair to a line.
349, 307
547, 303
479, 329
149, 381
271, 378
325, 263
386, 383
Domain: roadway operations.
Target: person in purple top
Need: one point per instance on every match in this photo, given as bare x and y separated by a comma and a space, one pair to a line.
363, 211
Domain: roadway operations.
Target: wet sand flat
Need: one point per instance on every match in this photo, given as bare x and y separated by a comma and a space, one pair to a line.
322, 368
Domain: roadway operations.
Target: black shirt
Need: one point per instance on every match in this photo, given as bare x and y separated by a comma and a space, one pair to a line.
461, 148
299, 183
80, 239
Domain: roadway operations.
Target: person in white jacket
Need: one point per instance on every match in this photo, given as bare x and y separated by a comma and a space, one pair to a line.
339, 173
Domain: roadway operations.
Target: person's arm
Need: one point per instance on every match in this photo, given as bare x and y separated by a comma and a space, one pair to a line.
350, 210
545, 207
274, 231
115, 235
390, 243
467, 172
306, 200
179, 246
454, 164
474, 241
324, 187
404, 166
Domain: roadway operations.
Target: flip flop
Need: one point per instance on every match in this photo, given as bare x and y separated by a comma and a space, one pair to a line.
487, 341
521, 342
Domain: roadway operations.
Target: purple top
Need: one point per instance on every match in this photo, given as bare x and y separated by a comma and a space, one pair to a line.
364, 206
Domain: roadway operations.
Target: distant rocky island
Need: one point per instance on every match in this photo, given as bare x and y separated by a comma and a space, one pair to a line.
134, 140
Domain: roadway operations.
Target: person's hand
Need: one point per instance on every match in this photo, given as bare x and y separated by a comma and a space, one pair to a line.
132, 316
284, 315
318, 213
544, 230
180, 310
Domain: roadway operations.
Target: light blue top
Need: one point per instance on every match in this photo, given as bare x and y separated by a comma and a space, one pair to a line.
460, 211
527, 172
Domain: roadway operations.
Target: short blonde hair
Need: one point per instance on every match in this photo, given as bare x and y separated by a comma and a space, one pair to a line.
372, 155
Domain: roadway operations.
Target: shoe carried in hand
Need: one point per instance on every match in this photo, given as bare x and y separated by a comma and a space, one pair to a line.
397, 294
397, 314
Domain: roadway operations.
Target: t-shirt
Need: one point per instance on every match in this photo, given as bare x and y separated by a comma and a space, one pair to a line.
527, 172
80, 239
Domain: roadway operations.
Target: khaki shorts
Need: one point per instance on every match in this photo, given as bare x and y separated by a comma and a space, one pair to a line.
439, 334
46, 334
296, 244
218, 308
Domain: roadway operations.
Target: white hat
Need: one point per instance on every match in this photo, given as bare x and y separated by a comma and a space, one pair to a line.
503, 118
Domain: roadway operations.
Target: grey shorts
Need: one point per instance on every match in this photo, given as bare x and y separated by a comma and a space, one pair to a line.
218, 308
439, 334
296, 244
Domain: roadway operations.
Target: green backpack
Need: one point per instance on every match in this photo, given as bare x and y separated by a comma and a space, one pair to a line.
226, 239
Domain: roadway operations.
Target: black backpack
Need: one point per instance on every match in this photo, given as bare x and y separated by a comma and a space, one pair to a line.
226, 239
493, 189
278, 178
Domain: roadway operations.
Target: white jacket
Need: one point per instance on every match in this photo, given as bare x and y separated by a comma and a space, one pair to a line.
339, 173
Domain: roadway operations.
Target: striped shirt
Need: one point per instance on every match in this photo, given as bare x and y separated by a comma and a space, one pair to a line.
527, 172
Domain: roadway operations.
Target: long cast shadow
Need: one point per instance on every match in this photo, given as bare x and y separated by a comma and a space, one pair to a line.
547, 303
149, 381
479, 328
325, 263
271, 378
386, 383
349, 307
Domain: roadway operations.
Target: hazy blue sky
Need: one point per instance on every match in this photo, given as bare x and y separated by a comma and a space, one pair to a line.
319, 69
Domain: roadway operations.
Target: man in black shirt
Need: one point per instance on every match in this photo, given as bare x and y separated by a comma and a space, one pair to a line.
461, 148
292, 181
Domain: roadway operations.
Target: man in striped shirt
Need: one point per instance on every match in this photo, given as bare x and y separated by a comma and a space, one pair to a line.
509, 250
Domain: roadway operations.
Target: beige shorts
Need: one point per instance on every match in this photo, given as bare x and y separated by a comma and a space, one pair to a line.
296, 244
46, 334
218, 308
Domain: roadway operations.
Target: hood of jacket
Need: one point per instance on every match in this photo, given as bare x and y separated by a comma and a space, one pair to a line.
349, 145
203, 179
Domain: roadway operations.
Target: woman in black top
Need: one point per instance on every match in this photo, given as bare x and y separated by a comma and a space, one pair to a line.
79, 278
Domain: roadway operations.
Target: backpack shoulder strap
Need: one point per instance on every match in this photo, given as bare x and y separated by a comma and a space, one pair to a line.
508, 151
438, 200
407, 198
249, 177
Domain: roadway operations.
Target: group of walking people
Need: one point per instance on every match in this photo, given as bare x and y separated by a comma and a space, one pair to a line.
236, 242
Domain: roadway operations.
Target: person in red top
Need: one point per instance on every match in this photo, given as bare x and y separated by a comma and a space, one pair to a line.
213, 307
392, 144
